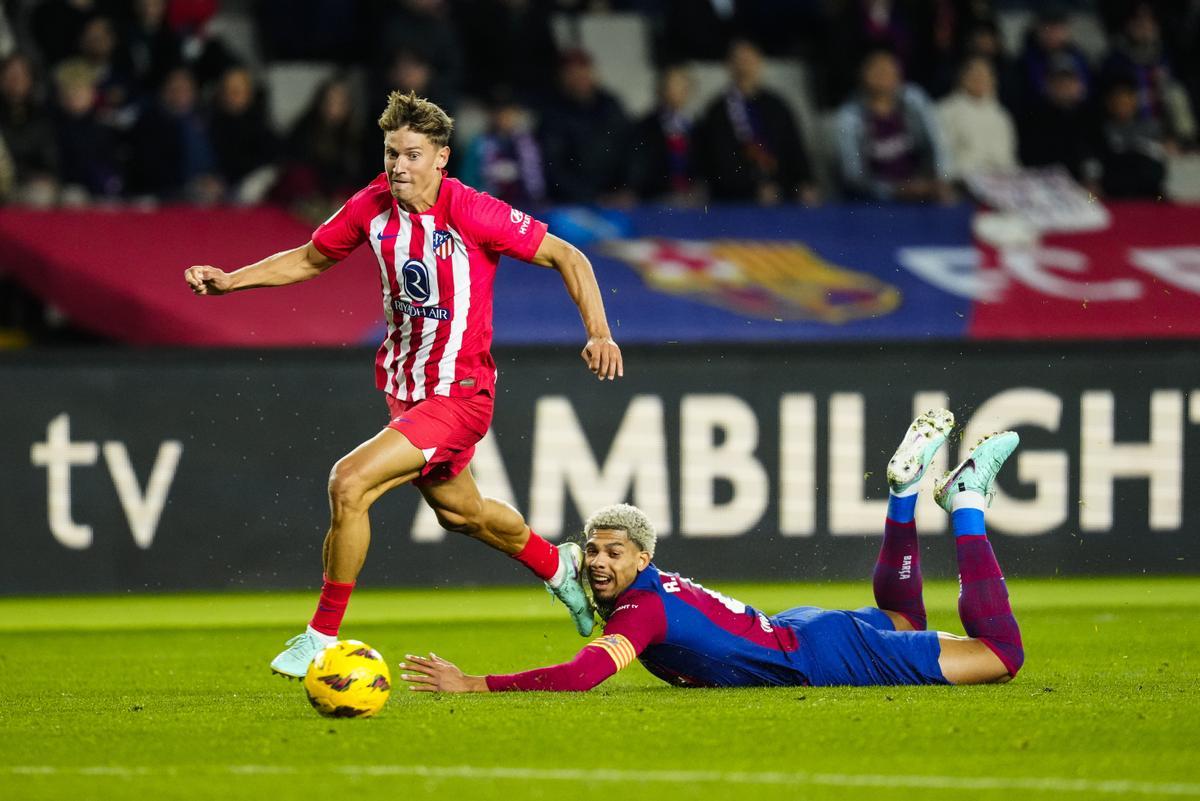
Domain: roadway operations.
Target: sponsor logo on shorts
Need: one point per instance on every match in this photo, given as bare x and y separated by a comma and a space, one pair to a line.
429, 312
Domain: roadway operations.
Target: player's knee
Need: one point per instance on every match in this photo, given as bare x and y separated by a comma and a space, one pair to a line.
1015, 661
347, 488
1010, 654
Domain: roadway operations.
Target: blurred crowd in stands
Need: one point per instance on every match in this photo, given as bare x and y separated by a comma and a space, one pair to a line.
140, 101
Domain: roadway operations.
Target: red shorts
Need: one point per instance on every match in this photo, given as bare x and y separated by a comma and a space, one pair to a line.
445, 429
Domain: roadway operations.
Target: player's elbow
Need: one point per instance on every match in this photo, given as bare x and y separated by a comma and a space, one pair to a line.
316, 262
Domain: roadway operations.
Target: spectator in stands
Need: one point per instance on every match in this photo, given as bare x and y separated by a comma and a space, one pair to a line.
748, 144
585, 138
1049, 39
1057, 129
8, 37
57, 24
858, 28
890, 143
312, 30
406, 71
663, 166
508, 47
1137, 56
28, 131
983, 41
243, 142
324, 163
692, 30
87, 150
980, 133
116, 94
946, 29
8, 173
1130, 157
505, 160
150, 48
423, 28
173, 157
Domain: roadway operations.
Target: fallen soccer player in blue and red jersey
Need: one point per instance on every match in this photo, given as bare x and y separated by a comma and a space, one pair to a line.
690, 636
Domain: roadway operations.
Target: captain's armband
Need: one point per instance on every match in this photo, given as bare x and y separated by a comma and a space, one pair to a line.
617, 646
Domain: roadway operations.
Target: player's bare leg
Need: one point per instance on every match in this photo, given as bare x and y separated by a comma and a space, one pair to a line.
968, 661
460, 507
359, 478
993, 652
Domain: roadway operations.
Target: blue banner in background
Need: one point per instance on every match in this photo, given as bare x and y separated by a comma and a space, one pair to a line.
745, 275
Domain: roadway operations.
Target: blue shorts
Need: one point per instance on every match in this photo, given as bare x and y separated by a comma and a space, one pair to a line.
861, 648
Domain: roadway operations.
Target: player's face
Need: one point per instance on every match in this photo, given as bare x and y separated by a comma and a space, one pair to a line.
612, 561
414, 167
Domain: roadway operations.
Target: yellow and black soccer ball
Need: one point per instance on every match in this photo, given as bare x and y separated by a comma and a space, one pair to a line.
349, 679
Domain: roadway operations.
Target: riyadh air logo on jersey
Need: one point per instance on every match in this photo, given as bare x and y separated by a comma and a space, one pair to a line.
416, 280
443, 244
771, 280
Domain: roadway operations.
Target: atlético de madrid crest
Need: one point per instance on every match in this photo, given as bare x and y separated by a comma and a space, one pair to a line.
443, 244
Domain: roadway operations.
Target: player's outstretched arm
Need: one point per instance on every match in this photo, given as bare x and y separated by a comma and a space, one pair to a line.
601, 352
283, 268
590, 666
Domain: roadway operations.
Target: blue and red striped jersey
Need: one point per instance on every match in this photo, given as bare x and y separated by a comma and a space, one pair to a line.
691, 636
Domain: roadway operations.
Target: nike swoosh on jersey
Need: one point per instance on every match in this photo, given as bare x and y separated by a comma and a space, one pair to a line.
381, 236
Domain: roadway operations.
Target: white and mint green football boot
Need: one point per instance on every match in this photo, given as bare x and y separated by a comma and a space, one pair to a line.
926, 434
300, 652
978, 470
569, 589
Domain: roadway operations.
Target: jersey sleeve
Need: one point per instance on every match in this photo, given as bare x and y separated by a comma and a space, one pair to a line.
338, 236
499, 227
638, 622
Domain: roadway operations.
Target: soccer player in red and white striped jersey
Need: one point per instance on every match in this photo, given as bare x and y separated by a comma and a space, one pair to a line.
438, 243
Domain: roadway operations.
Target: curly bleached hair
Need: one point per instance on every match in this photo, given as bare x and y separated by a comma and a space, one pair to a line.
623, 517
419, 115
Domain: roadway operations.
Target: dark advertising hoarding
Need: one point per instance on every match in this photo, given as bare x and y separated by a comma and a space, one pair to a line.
190, 470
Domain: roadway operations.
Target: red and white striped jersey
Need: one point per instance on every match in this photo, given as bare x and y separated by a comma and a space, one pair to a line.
437, 270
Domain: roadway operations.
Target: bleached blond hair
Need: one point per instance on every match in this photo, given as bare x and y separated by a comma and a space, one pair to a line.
623, 517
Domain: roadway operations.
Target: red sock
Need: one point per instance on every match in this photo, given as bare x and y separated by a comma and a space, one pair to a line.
331, 607
539, 556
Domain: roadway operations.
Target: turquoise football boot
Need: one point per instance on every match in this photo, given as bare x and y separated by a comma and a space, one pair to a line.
300, 652
926, 434
570, 589
978, 470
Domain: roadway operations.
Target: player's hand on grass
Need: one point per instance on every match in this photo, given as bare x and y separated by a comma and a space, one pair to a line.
603, 357
436, 675
206, 280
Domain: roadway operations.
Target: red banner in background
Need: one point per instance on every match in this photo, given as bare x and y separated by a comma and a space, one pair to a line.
1137, 278
120, 274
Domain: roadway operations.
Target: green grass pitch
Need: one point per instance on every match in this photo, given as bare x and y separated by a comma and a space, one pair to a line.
169, 697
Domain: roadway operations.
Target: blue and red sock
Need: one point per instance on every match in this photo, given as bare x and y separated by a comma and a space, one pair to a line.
983, 597
897, 577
